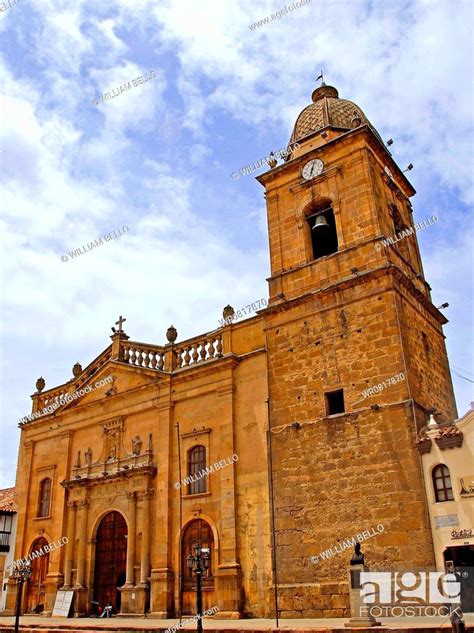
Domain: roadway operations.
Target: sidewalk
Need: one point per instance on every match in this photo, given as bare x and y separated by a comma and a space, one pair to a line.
40, 624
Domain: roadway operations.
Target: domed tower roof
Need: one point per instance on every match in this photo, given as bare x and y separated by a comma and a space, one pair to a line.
328, 110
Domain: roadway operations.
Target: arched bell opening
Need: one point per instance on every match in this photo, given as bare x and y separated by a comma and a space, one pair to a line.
322, 230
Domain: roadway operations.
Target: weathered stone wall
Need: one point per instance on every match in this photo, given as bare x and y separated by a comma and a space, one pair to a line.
425, 350
337, 476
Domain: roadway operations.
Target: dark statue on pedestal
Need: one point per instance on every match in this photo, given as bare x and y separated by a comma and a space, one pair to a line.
357, 556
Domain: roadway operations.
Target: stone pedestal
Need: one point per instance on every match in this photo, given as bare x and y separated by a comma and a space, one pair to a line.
80, 604
161, 593
360, 617
133, 601
229, 591
53, 583
10, 604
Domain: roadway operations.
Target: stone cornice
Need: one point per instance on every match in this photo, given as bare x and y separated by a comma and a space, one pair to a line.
229, 361
89, 482
419, 296
345, 138
353, 280
198, 432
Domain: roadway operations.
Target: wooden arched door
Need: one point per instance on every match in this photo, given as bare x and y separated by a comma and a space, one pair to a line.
110, 560
197, 531
35, 599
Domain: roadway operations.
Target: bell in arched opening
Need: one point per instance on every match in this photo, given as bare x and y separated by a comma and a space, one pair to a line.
321, 222
323, 233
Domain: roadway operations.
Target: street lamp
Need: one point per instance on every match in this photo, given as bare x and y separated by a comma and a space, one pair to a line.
202, 554
20, 573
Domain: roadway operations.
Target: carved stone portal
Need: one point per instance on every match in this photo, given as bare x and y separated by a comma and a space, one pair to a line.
113, 458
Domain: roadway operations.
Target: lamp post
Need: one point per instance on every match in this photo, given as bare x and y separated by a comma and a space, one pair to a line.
21, 573
202, 555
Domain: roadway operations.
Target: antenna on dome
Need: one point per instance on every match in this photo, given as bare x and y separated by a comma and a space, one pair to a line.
321, 76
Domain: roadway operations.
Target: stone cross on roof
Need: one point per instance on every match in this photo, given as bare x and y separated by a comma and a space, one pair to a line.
119, 323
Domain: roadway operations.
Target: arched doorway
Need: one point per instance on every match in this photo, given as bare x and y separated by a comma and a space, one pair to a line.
197, 531
110, 560
37, 583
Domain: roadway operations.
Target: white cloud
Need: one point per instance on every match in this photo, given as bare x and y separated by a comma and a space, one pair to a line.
157, 158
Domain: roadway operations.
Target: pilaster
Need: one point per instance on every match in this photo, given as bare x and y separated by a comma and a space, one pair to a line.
131, 539
145, 553
71, 535
163, 542
229, 574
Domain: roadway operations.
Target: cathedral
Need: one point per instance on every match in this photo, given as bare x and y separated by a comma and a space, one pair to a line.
268, 440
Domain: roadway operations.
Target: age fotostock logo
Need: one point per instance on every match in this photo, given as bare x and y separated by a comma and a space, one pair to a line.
408, 593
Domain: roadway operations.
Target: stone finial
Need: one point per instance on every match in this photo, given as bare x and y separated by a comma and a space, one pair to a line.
432, 424
324, 91
40, 384
356, 120
171, 334
77, 370
272, 161
228, 313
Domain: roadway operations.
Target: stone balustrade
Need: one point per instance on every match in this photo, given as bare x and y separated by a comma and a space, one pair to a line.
143, 354
185, 354
197, 351
166, 358
53, 396
56, 395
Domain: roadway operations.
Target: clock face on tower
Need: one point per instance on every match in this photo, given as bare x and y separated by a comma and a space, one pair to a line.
312, 169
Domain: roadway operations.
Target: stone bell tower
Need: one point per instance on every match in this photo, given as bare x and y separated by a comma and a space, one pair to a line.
356, 358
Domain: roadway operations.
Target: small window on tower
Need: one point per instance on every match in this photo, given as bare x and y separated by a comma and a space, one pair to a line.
398, 227
398, 224
335, 402
322, 227
426, 345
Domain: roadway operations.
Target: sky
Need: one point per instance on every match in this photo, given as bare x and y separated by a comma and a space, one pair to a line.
154, 163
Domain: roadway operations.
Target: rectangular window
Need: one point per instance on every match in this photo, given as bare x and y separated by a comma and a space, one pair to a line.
5, 531
44, 498
335, 402
196, 470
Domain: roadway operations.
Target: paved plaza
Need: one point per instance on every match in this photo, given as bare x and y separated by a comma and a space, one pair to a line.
137, 625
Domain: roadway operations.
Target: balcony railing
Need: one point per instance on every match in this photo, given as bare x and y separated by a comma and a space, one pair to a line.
5, 541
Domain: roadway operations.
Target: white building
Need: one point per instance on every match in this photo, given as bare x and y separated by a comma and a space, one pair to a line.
447, 453
8, 522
